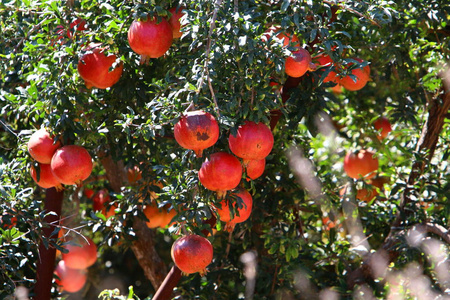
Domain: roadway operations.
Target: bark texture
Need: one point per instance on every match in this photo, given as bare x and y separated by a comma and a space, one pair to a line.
47, 255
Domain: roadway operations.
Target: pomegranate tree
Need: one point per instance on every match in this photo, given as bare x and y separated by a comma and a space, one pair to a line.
41, 146
220, 172
196, 130
150, 38
298, 63
95, 69
71, 164
362, 76
71, 280
174, 21
362, 163
192, 254
255, 168
240, 214
46, 178
253, 141
80, 256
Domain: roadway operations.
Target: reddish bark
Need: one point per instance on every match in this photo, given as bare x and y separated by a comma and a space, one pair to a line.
47, 256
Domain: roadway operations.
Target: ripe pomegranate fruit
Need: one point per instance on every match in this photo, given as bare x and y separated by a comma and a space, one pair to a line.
325, 61
196, 130
253, 141
149, 38
154, 215
71, 164
383, 126
41, 146
80, 256
167, 216
299, 63
255, 168
174, 21
362, 163
192, 253
242, 214
94, 68
100, 200
285, 37
220, 172
89, 193
369, 193
362, 77
71, 280
46, 178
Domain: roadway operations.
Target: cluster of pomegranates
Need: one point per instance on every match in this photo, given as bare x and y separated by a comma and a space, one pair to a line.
69, 164
71, 271
363, 164
301, 62
220, 172
150, 38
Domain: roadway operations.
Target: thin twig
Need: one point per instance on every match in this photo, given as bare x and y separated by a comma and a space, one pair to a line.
208, 50
342, 6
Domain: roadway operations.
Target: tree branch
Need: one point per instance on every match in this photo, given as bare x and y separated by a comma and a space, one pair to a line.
436, 229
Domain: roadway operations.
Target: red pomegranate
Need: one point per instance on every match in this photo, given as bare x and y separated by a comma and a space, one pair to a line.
174, 21
149, 38
299, 63
220, 172
285, 37
244, 211
253, 141
192, 253
46, 178
362, 77
255, 168
71, 164
89, 193
95, 67
383, 126
154, 215
167, 217
71, 280
362, 163
41, 146
101, 202
325, 61
80, 256
196, 130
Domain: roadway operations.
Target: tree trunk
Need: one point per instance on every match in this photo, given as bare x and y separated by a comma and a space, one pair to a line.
47, 255
144, 247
